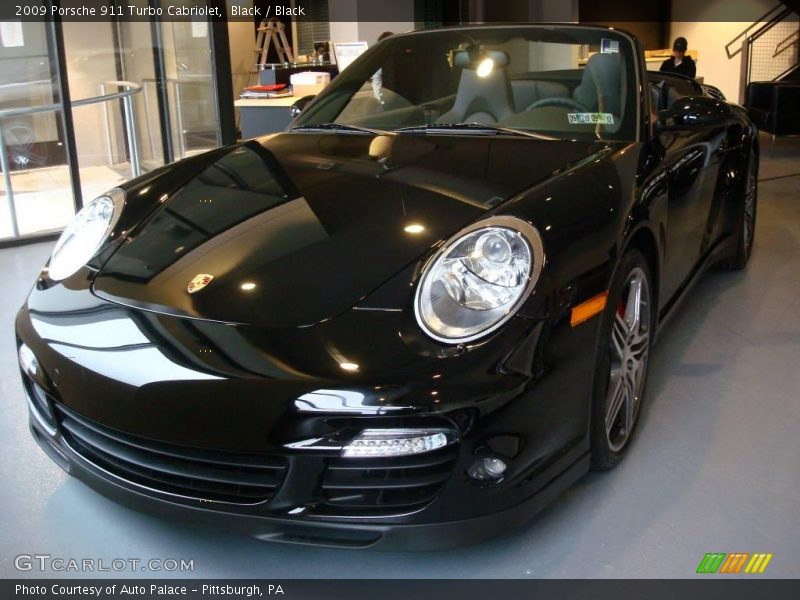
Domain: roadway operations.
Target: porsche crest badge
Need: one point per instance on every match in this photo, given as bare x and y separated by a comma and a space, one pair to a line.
198, 282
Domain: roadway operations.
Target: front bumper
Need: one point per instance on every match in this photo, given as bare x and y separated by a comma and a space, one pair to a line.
297, 530
154, 437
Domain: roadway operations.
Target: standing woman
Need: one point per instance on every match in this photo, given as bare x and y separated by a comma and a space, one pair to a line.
680, 63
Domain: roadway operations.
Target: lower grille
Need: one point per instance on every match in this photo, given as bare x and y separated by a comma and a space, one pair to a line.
187, 472
39, 404
372, 486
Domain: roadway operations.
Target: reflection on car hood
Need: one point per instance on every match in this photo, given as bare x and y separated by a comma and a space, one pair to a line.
297, 228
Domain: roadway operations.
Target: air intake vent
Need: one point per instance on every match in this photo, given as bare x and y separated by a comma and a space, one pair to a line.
381, 486
187, 472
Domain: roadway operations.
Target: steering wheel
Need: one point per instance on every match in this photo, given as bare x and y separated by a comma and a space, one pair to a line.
557, 101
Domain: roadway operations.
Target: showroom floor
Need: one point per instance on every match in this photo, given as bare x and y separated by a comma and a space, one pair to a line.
715, 466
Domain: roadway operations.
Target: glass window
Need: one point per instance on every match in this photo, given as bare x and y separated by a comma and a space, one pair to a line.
133, 105
192, 93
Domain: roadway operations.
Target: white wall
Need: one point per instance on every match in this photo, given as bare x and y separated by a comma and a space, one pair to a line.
399, 13
709, 37
553, 11
344, 31
343, 16
356, 20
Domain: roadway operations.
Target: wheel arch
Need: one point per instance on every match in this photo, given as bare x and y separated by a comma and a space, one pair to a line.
644, 239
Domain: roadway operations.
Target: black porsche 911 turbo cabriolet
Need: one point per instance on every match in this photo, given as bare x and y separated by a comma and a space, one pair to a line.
410, 320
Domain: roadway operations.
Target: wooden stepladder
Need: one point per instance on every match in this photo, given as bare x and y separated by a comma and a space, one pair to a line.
272, 31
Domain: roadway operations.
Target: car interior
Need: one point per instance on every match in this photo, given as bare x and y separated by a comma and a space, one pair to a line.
589, 100
546, 100
665, 89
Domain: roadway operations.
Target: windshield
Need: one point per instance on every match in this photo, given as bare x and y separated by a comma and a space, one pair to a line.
562, 82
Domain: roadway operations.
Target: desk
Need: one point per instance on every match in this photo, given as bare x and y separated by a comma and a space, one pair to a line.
259, 116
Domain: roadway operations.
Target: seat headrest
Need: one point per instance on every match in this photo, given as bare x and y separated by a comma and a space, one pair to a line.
465, 59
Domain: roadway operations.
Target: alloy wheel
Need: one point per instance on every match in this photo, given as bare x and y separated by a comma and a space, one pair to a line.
629, 350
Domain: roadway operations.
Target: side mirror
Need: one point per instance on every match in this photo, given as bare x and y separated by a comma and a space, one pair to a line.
300, 105
693, 112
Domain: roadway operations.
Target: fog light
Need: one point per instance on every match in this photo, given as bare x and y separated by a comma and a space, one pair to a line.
487, 469
396, 442
27, 360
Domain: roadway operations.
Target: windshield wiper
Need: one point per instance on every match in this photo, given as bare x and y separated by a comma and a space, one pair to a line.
340, 127
473, 128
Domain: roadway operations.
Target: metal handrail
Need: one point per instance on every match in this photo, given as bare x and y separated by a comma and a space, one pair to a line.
125, 95
785, 73
768, 26
23, 84
745, 49
133, 148
786, 43
768, 19
39, 108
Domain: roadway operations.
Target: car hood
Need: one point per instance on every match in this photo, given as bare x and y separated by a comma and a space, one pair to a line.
293, 229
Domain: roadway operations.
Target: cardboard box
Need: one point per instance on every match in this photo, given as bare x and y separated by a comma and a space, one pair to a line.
307, 90
310, 78
309, 83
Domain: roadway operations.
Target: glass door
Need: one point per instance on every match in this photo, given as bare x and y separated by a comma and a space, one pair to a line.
108, 113
192, 93
36, 194
85, 106
138, 64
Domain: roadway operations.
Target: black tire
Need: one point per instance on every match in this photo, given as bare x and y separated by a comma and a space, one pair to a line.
609, 443
746, 228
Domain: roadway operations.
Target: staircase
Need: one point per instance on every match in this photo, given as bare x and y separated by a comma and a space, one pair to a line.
770, 46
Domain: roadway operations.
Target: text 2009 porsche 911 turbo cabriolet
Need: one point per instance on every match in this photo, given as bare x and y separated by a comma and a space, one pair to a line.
411, 319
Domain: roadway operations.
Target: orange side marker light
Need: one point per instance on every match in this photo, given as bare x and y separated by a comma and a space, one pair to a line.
586, 310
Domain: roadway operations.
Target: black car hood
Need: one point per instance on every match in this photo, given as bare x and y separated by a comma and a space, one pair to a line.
297, 228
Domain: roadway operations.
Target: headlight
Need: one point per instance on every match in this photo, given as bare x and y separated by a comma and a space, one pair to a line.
396, 442
478, 279
83, 237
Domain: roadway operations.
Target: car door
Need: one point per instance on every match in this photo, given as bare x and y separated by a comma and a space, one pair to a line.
691, 160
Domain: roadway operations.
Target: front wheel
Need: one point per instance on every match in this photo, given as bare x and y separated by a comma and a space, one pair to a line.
626, 337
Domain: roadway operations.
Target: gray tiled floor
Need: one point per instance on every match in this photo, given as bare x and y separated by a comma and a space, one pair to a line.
716, 465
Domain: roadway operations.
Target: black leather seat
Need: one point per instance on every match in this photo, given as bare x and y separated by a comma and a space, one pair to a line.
528, 91
600, 88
